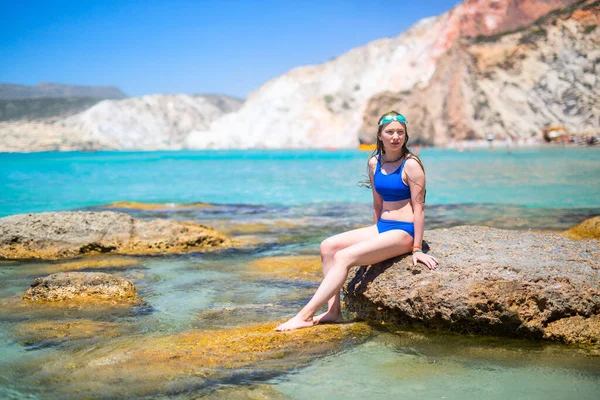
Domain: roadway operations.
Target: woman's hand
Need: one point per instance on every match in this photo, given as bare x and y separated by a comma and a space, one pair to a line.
430, 261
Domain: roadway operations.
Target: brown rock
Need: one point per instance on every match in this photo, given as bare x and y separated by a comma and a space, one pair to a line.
574, 330
588, 229
70, 234
81, 287
489, 281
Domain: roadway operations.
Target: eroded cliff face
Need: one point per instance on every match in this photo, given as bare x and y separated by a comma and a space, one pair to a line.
455, 76
154, 122
148, 122
510, 85
334, 104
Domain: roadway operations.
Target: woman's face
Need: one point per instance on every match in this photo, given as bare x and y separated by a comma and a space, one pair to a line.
393, 136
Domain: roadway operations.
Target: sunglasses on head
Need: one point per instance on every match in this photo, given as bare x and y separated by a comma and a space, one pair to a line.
390, 118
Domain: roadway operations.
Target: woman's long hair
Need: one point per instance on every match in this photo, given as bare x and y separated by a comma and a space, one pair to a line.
379, 150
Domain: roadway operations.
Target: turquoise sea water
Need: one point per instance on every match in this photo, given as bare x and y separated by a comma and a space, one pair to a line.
284, 203
526, 179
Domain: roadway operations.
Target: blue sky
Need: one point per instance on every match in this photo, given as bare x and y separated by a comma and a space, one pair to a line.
226, 47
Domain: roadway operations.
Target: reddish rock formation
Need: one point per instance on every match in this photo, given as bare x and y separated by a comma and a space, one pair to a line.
509, 85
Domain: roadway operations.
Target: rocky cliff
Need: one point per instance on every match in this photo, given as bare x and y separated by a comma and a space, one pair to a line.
150, 122
154, 122
56, 90
508, 85
332, 104
486, 67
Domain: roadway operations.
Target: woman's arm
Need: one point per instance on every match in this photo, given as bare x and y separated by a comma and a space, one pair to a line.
377, 200
416, 183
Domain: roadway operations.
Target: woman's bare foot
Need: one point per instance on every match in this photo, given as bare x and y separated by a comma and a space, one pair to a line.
329, 317
295, 323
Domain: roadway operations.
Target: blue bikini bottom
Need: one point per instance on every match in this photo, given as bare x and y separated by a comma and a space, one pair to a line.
384, 225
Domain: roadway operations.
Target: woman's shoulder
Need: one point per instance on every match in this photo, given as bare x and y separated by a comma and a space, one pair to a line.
373, 161
413, 165
372, 165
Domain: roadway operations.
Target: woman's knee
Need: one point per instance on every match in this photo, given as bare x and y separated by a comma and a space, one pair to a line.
328, 247
344, 259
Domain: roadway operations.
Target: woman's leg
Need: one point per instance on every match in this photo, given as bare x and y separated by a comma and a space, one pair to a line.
379, 248
329, 247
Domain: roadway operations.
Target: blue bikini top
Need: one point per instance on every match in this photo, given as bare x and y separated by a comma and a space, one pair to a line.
390, 186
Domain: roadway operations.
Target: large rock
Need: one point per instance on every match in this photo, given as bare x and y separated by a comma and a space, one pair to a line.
588, 229
81, 286
189, 361
68, 234
489, 281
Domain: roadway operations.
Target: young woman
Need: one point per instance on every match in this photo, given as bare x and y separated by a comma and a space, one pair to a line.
397, 181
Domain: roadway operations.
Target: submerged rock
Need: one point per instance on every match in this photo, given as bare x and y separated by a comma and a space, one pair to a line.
81, 286
489, 281
57, 235
306, 268
193, 361
49, 333
134, 205
100, 262
588, 229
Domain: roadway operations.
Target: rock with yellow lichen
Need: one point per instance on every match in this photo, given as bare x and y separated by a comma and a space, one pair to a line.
489, 281
588, 229
81, 287
575, 329
100, 262
58, 235
306, 268
194, 359
35, 333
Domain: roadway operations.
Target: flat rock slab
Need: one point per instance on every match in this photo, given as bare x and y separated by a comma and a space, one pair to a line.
172, 364
489, 281
81, 286
67, 234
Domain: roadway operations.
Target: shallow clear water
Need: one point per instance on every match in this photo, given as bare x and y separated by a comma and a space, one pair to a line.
415, 369
285, 203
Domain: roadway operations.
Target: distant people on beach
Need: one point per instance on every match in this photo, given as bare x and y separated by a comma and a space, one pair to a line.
397, 182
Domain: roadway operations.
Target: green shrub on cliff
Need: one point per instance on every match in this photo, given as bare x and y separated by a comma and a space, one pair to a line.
40, 108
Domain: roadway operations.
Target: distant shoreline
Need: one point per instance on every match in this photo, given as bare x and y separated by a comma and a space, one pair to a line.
460, 146
506, 144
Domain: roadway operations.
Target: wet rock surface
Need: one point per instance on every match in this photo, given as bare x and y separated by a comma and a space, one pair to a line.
489, 281
195, 360
56, 235
588, 229
49, 333
81, 286
300, 267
